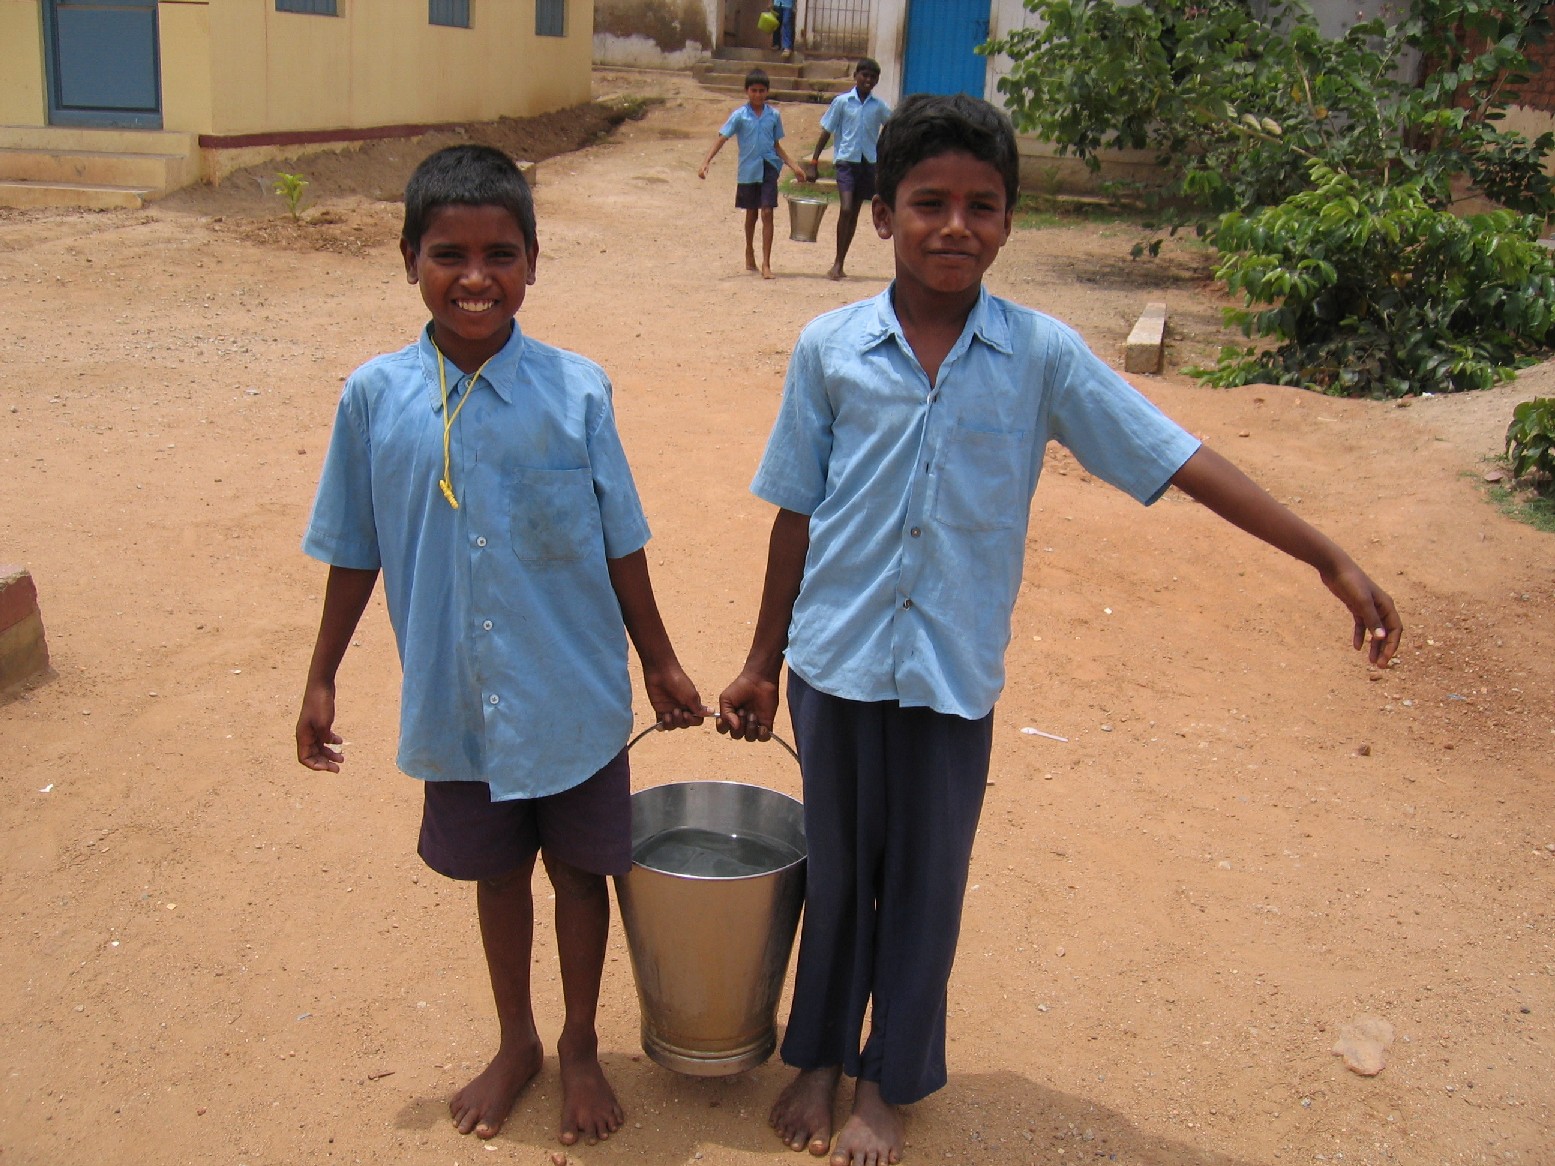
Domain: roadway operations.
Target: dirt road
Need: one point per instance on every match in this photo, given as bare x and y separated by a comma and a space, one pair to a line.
1245, 842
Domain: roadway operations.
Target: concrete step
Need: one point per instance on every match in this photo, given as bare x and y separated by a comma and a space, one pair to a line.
72, 166
62, 194
94, 167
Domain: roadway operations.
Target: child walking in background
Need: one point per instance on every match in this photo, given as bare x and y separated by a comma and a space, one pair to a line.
854, 119
759, 129
902, 462
479, 471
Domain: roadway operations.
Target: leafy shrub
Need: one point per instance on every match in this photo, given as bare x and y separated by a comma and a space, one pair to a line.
1372, 291
1324, 169
1530, 442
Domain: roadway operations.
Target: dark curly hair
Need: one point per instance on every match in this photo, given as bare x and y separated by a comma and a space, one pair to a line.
466, 176
927, 124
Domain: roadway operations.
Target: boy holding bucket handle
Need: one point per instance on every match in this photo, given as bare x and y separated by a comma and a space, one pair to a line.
855, 118
759, 128
480, 472
903, 461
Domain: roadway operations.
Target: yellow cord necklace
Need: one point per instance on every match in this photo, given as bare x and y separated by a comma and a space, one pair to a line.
446, 482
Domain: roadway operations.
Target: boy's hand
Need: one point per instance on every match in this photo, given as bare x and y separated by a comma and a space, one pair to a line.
1377, 625
315, 734
675, 700
748, 708
702, 173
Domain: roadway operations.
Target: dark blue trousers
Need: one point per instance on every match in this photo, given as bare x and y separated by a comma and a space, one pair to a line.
891, 801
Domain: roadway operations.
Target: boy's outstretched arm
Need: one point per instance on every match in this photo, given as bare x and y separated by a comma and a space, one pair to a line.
1211, 479
711, 154
674, 698
345, 598
748, 707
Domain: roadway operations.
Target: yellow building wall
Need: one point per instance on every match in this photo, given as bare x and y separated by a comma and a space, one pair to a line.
23, 101
238, 67
381, 64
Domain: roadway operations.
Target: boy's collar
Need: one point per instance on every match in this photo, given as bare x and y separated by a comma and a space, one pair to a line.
983, 322
497, 372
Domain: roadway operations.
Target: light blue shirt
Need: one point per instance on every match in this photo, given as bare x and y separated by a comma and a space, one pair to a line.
758, 137
855, 126
509, 632
919, 495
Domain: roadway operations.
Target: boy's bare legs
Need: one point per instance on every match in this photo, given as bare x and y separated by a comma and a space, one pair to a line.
750, 240
590, 1110
766, 242
802, 1114
847, 223
506, 910
874, 1134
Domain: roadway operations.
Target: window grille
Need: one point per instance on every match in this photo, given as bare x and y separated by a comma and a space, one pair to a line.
837, 27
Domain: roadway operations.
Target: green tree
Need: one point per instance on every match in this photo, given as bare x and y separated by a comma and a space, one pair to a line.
1258, 121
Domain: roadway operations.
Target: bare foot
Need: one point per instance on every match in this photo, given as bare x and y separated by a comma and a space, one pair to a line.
750, 261
484, 1104
873, 1135
766, 271
835, 272
590, 1110
802, 1114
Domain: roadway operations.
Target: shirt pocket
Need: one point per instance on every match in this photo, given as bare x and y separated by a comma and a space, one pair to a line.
553, 515
982, 480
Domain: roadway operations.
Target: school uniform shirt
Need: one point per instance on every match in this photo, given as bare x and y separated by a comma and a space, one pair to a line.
758, 136
854, 126
510, 636
919, 495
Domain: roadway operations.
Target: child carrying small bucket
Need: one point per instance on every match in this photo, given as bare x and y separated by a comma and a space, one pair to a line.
759, 128
903, 461
480, 472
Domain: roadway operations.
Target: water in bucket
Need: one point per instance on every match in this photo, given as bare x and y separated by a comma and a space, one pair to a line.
696, 852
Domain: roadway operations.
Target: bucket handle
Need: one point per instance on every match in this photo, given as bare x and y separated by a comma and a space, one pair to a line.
658, 728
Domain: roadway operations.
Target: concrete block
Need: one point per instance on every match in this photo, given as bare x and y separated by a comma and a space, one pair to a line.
24, 653
1143, 351
18, 596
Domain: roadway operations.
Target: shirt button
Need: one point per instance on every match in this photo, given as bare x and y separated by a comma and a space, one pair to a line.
480, 542
906, 606
495, 698
487, 625
915, 532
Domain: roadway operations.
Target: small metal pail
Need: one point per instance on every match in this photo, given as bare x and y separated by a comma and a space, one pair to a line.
804, 218
710, 909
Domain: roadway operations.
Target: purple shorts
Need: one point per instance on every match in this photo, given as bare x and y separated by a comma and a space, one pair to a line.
466, 835
857, 179
752, 196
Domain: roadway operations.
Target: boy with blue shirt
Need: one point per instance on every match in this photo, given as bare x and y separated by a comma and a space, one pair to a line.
903, 462
759, 128
854, 119
479, 471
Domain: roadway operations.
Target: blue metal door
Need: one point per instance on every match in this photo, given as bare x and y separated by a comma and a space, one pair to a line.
102, 63
941, 37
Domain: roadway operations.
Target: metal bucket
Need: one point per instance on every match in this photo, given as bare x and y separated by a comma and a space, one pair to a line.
710, 908
804, 218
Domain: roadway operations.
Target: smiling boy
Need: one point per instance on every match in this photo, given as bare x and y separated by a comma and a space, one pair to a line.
903, 462
479, 471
